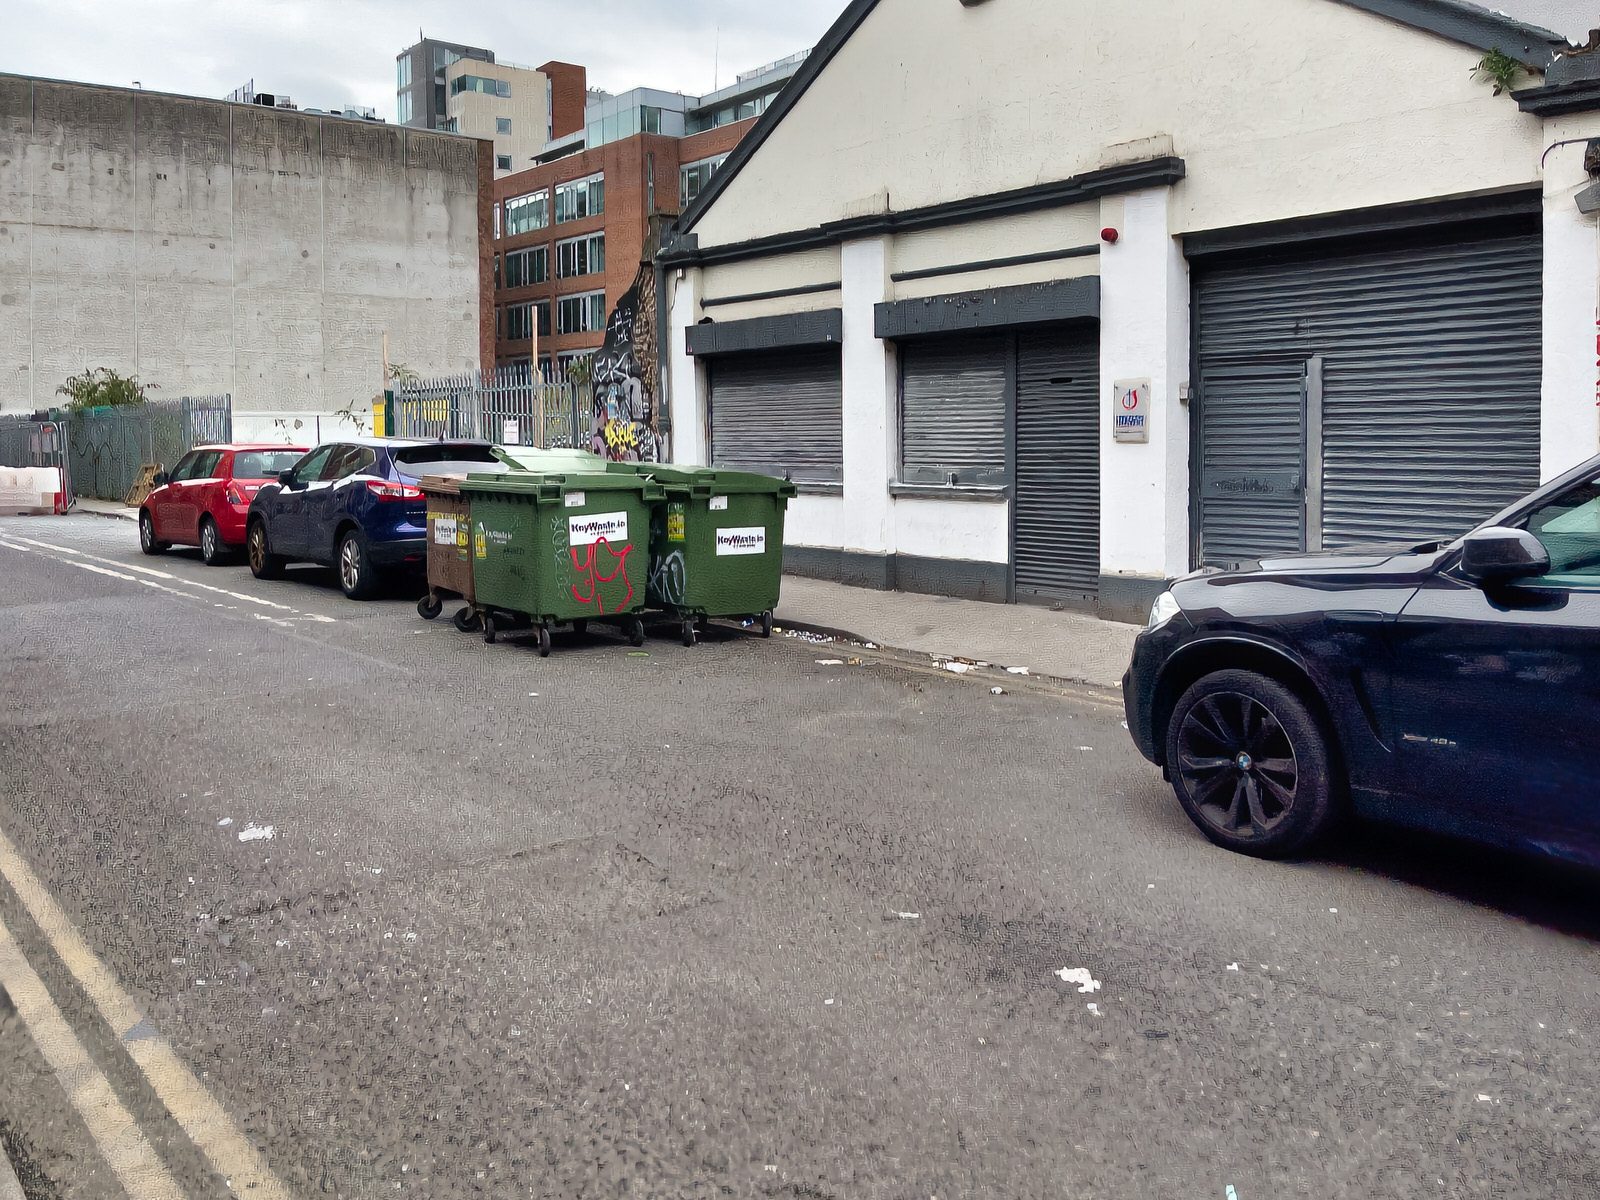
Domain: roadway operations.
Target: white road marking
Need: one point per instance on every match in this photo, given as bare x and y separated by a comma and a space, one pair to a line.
194, 1108
116, 1135
11, 538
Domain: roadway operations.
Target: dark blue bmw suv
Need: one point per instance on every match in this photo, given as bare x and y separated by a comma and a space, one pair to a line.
1448, 685
354, 505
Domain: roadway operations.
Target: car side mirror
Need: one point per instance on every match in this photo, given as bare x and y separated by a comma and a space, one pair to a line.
160, 479
1501, 555
286, 477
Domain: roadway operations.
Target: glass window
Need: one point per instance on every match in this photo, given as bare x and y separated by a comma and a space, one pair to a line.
477, 83
184, 468
581, 198
502, 88
524, 214
581, 314
348, 461
496, 208
205, 465
526, 267
263, 464
438, 97
693, 177
502, 162
402, 108
519, 322
402, 72
502, 125
649, 120
541, 313
581, 256
451, 125
311, 465
1569, 528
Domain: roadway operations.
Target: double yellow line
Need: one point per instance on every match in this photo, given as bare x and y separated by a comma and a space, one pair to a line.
117, 1136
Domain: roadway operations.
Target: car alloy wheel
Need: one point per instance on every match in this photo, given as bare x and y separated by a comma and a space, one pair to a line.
147, 535
210, 543
1238, 764
350, 564
1252, 765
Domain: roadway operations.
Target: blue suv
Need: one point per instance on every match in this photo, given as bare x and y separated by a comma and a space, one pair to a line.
354, 505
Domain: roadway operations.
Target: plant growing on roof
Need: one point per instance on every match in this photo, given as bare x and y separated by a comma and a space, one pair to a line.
103, 388
1498, 68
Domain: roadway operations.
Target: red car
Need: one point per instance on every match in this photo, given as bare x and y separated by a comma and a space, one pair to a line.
203, 500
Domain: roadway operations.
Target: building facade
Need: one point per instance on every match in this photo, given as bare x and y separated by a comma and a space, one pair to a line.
463, 89
572, 232
1061, 332
213, 247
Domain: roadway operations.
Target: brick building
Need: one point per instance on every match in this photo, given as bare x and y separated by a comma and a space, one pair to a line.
572, 231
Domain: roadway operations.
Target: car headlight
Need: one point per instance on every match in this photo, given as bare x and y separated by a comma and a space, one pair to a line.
1164, 609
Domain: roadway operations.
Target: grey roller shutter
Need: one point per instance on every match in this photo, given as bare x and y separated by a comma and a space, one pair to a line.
1057, 519
953, 410
780, 414
1430, 368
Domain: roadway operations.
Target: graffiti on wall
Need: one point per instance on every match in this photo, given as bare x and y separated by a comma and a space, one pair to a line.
626, 379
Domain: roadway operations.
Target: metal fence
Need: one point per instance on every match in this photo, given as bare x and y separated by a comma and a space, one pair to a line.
29, 442
107, 446
513, 405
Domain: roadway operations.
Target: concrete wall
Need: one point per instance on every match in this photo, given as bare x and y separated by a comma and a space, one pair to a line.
213, 247
1281, 108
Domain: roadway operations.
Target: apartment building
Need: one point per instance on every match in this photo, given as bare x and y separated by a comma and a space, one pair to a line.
572, 230
464, 89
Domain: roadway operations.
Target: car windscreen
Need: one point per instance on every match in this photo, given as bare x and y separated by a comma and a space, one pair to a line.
264, 464
443, 458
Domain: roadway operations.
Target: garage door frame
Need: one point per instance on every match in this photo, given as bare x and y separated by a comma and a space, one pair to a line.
1340, 233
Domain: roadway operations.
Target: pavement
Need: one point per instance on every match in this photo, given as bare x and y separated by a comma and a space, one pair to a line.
1070, 646
301, 897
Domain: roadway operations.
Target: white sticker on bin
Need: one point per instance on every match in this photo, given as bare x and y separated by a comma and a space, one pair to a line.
576, 499
444, 531
718, 503
742, 541
597, 527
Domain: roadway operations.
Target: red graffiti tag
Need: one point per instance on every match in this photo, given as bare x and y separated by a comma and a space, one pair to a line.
589, 569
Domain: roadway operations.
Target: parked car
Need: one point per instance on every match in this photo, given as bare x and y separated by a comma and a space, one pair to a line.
204, 499
355, 505
1449, 686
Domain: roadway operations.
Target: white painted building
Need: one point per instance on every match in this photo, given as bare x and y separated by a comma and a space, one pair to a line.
1343, 283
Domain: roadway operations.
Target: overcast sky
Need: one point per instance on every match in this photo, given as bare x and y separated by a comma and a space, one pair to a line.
326, 53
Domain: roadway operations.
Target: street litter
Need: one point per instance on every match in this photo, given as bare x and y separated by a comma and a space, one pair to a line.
1094, 1009
854, 662
224, 823
960, 668
830, 662
1080, 976
908, 916
1233, 966
258, 833
1016, 670
997, 691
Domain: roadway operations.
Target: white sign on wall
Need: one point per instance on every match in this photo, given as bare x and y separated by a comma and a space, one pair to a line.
511, 434
1130, 410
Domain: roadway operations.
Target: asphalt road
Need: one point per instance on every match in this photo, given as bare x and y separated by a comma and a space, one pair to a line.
711, 922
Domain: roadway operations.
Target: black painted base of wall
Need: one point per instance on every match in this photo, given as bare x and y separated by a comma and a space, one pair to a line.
1121, 598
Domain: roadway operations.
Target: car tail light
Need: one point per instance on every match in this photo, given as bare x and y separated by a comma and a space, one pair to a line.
235, 494
384, 490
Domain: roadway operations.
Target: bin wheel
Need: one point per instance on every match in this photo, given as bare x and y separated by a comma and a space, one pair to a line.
702, 623
544, 641
467, 620
429, 607
688, 631
636, 632
766, 624
580, 627
488, 628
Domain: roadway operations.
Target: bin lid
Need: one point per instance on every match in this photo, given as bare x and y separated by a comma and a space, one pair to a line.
543, 485
707, 481
531, 458
441, 485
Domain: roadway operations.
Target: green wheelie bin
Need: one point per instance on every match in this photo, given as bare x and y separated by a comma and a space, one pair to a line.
560, 549
716, 544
